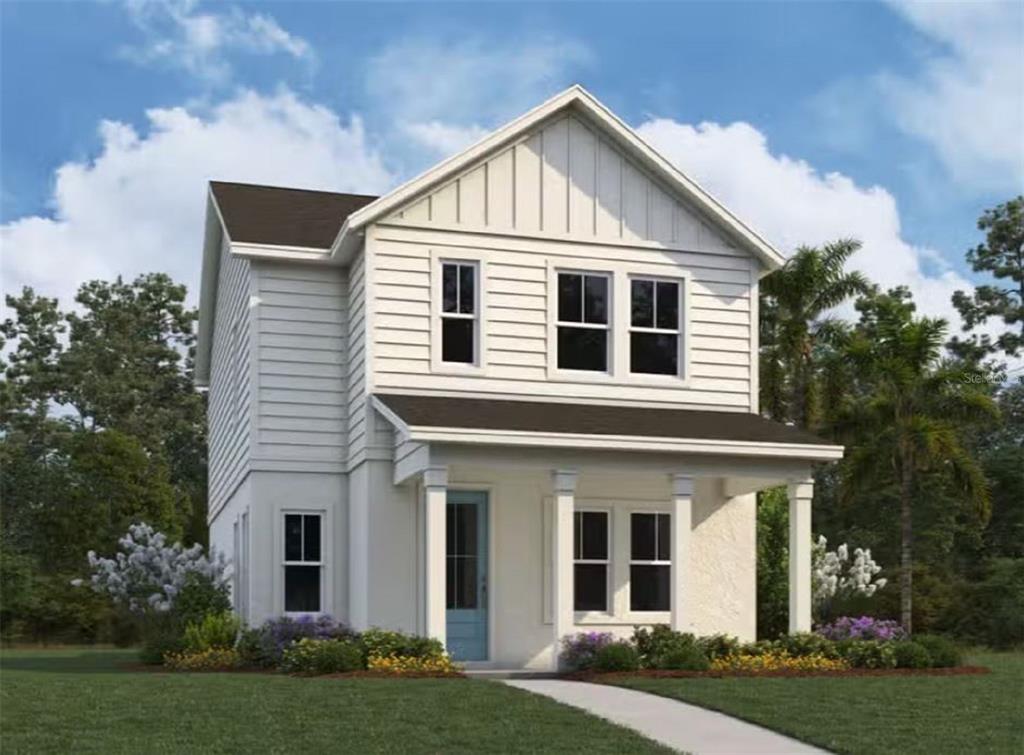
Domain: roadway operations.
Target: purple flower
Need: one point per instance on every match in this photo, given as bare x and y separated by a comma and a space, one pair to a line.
862, 628
580, 650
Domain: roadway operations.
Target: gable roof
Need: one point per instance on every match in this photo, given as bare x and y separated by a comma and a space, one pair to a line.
277, 216
585, 104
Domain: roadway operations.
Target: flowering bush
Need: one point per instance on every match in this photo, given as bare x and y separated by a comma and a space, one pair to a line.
863, 628
778, 660
313, 656
216, 630
833, 575
383, 643
266, 645
211, 659
579, 651
805, 643
869, 653
409, 664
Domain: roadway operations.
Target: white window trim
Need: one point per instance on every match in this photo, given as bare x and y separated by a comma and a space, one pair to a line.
609, 594
631, 562
322, 563
678, 331
437, 365
585, 376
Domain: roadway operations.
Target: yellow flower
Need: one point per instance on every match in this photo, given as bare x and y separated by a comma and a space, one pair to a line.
405, 664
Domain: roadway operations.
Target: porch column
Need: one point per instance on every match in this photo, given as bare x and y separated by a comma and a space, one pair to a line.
800, 494
435, 502
682, 525
561, 558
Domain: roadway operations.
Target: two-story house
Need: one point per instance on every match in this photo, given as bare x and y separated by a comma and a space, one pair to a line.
512, 399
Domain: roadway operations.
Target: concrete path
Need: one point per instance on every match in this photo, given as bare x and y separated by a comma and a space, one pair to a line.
673, 723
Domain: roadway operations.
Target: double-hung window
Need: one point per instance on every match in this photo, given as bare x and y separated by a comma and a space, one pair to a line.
303, 564
655, 333
583, 321
650, 562
459, 312
590, 560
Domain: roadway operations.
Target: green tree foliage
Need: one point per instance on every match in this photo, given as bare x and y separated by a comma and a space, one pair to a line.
772, 563
1002, 256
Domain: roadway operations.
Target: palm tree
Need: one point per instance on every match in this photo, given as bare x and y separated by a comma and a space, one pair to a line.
906, 415
795, 299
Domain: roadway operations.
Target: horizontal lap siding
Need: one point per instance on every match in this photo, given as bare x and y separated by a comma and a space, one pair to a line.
516, 317
355, 377
230, 398
302, 371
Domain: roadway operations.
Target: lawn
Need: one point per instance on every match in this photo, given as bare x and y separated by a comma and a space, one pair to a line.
946, 714
87, 701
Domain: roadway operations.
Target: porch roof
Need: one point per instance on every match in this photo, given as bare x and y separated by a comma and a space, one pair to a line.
484, 420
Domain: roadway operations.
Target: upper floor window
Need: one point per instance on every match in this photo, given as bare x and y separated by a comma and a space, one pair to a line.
583, 321
303, 564
459, 310
655, 331
590, 560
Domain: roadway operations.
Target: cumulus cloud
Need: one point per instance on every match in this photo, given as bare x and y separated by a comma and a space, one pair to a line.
138, 205
178, 34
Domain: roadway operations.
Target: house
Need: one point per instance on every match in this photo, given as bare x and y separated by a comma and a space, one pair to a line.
512, 399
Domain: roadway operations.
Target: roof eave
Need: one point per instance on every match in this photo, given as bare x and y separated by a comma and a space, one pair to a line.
213, 239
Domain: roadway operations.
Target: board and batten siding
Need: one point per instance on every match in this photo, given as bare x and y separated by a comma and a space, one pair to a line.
230, 396
301, 364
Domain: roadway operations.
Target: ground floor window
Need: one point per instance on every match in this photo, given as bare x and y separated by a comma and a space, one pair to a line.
590, 560
303, 565
650, 562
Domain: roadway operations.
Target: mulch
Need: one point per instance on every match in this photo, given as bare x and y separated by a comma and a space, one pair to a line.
614, 676
364, 674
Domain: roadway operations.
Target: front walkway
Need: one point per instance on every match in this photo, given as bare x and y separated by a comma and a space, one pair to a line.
678, 725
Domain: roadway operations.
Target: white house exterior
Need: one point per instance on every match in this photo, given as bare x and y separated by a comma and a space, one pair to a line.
512, 399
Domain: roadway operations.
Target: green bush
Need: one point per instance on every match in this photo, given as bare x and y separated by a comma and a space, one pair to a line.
867, 653
309, 656
802, 644
216, 630
944, 653
198, 598
718, 646
617, 656
161, 635
660, 645
252, 650
910, 654
383, 642
684, 658
991, 611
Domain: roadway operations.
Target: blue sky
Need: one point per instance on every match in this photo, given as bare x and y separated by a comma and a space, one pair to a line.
895, 123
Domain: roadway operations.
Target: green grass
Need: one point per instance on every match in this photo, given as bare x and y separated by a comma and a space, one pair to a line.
922, 714
87, 701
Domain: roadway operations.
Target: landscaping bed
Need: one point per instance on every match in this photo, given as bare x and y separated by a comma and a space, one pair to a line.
614, 677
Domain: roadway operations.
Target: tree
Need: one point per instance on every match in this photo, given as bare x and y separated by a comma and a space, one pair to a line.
795, 301
908, 416
1002, 255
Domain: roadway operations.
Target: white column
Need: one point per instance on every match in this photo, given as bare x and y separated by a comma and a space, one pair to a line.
800, 494
682, 525
561, 558
435, 503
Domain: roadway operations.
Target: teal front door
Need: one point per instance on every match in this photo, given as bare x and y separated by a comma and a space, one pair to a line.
466, 563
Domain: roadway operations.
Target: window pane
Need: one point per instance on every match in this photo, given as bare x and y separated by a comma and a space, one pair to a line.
461, 579
577, 529
457, 340
668, 305
596, 299
570, 297
591, 587
642, 295
582, 349
464, 541
293, 537
450, 288
654, 353
451, 578
664, 537
595, 535
302, 588
467, 289
649, 588
312, 542
642, 537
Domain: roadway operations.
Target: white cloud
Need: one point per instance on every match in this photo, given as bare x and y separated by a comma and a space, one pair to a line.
791, 204
967, 100
138, 206
178, 34
444, 138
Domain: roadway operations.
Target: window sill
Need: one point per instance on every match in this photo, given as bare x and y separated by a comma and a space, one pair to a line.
597, 618
457, 368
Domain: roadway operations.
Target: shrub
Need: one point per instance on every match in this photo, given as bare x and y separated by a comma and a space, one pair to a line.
313, 656
199, 597
863, 628
408, 664
778, 660
382, 643
216, 630
868, 653
943, 653
718, 646
277, 635
659, 644
211, 659
617, 656
579, 651
161, 636
910, 654
806, 643
761, 647
251, 650
683, 658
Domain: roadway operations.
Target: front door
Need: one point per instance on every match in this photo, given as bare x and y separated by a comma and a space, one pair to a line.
466, 564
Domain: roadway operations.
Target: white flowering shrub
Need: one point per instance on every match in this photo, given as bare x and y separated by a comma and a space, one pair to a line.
146, 573
833, 573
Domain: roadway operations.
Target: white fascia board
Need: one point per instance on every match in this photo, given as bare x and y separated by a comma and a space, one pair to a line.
624, 443
213, 238
255, 251
397, 422
580, 98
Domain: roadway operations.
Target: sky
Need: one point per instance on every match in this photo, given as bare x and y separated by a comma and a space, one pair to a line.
894, 123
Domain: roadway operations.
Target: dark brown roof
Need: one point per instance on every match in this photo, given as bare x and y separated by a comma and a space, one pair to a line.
284, 217
592, 419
